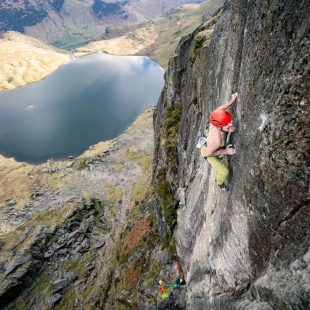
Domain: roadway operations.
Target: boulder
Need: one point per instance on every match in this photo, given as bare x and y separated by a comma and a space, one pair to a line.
11, 202
71, 276
59, 284
54, 300
14, 265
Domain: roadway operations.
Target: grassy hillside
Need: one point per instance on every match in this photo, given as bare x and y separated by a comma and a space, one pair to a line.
69, 23
26, 60
172, 27
157, 38
130, 44
92, 221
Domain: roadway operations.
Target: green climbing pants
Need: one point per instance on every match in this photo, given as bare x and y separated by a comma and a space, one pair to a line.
221, 170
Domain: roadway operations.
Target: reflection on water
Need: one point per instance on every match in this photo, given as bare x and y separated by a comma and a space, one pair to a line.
94, 98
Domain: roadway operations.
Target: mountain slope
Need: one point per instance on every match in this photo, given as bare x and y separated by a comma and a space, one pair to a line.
158, 38
86, 236
26, 60
69, 22
254, 238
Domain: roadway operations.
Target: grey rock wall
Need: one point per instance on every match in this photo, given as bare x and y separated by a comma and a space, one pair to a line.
255, 237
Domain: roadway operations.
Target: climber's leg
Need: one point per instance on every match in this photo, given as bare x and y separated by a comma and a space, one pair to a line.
221, 170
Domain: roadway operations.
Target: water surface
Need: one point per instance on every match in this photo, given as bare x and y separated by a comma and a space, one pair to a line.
91, 99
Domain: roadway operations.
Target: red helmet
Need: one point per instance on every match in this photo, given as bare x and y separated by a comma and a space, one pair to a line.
220, 117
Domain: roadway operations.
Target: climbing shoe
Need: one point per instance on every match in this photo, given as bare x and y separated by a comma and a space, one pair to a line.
223, 187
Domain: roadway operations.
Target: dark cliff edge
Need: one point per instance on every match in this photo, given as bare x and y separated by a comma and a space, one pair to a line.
256, 236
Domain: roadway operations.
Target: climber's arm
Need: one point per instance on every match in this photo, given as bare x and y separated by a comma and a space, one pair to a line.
230, 102
214, 150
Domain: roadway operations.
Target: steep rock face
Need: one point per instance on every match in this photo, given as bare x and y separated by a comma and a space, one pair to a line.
255, 237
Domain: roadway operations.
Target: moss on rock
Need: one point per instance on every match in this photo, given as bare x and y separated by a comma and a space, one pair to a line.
171, 124
167, 201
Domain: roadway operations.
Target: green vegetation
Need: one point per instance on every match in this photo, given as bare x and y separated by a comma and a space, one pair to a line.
79, 267
202, 39
128, 255
153, 273
131, 273
94, 152
167, 201
11, 239
170, 130
20, 305
168, 206
68, 300
52, 218
144, 120
114, 193
170, 245
199, 40
80, 163
173, 27
41, 289
85, 293
71, 266
42, 284
119, 167
141, 158
139, 192
159, 38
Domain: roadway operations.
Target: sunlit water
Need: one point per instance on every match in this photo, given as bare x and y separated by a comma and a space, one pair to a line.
91, 99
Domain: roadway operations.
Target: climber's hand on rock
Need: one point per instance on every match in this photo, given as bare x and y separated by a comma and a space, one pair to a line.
230, 149
234, 96
230, 102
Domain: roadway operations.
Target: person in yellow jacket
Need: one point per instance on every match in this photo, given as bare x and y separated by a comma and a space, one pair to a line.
220, 125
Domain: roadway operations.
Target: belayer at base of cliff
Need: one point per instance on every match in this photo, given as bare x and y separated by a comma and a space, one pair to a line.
220, 125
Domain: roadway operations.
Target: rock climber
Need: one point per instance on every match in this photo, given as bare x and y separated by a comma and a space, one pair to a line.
220, 125
163, 290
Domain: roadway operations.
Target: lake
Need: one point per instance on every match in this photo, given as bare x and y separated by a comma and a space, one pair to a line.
93, 98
